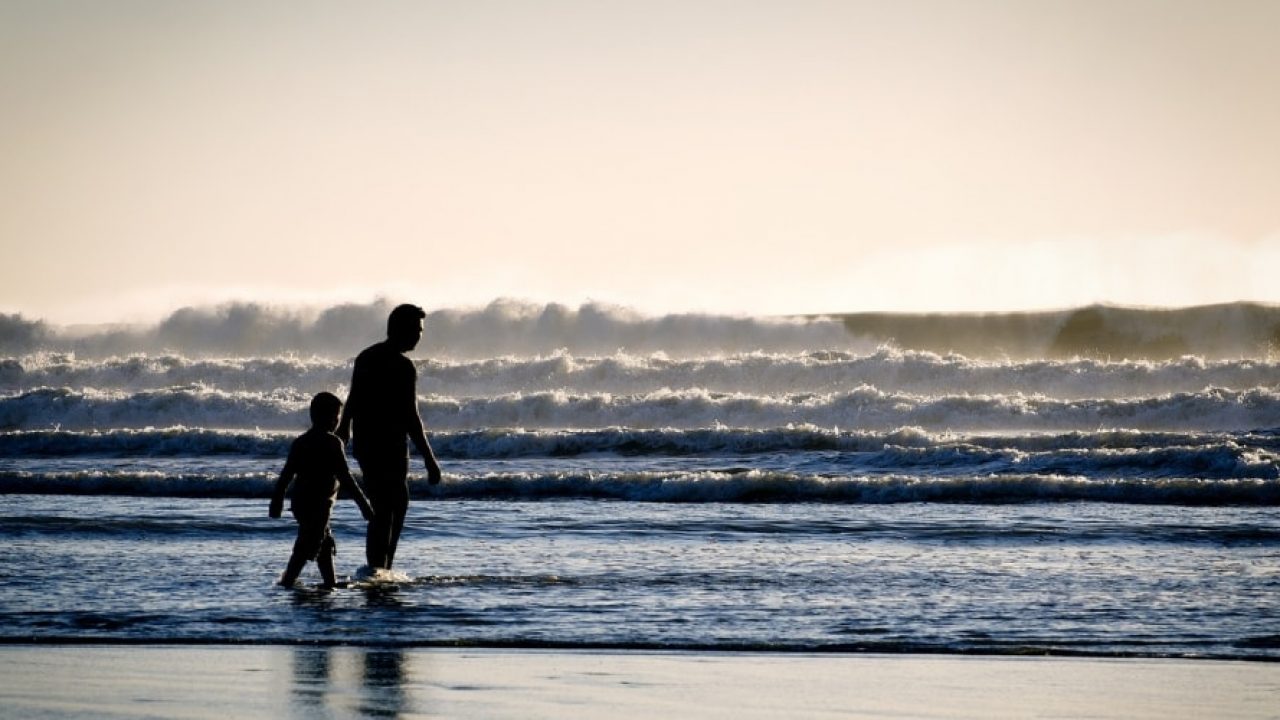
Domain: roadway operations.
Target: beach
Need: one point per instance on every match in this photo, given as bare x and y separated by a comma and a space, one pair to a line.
638, 360
308, 681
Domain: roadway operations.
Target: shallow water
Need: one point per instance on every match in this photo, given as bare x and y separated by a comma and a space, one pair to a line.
1061, 577
681, 482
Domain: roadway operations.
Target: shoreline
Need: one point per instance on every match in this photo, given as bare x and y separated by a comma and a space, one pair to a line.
273, 680
746, 649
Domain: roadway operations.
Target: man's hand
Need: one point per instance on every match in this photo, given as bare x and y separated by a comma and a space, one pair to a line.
433, 474
277, 507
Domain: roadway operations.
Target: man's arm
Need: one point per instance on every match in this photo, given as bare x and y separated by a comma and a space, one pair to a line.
353, 399
419, 438
416, 433
344, 425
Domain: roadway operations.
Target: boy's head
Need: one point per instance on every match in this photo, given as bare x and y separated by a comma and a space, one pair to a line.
325, 409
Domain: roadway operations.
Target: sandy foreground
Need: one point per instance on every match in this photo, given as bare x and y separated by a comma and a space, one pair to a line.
272, 681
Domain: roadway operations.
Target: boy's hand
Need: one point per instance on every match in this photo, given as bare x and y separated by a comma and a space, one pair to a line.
277, 506
366, 510
433, 474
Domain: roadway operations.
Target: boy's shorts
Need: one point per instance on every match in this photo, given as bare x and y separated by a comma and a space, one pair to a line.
314, 536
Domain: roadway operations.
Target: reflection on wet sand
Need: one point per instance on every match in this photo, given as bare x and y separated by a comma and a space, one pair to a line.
310, 679
337, 682
384, 680
313, 682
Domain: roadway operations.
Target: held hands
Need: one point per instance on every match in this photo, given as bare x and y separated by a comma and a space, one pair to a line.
277, 507
365, 509
433, 474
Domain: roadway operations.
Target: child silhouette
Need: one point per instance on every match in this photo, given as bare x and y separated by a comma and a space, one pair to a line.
317, 467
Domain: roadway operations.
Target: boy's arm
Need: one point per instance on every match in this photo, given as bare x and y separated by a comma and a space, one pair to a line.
282, 484
343, 474
366, 510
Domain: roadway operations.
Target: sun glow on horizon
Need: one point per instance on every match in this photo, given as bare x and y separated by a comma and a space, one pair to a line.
753, 158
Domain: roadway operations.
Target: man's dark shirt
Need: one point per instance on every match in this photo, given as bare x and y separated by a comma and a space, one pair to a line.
383, 403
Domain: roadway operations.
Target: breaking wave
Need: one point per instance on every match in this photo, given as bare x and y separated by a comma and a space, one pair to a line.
758, 373
864, 407
1146, 454
508, 327
700, 487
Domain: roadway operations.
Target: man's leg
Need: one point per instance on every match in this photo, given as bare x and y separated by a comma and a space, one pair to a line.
386, 485
378, 534
399, 508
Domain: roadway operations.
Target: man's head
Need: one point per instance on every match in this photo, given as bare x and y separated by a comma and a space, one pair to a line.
325, 409
404, 327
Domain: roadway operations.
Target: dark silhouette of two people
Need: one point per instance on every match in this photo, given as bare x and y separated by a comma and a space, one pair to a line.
381, 418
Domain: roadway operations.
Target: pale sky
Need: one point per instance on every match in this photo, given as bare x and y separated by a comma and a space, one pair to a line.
740, 156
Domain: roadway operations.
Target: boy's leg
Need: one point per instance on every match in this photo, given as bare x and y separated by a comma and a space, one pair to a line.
310, 537
324, 561
293, 570
327, 574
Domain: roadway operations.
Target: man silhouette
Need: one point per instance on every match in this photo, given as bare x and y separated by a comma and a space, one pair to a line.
380, 414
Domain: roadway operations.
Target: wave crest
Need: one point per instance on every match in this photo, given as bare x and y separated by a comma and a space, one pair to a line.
865, 407
747, 486
510, 327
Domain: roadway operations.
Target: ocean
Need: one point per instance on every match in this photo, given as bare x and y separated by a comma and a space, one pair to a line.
1100, 481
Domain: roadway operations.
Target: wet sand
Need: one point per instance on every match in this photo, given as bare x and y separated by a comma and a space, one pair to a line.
306, 681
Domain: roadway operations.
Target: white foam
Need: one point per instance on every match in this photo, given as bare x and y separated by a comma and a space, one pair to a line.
628, 373
865, 407
372, 576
